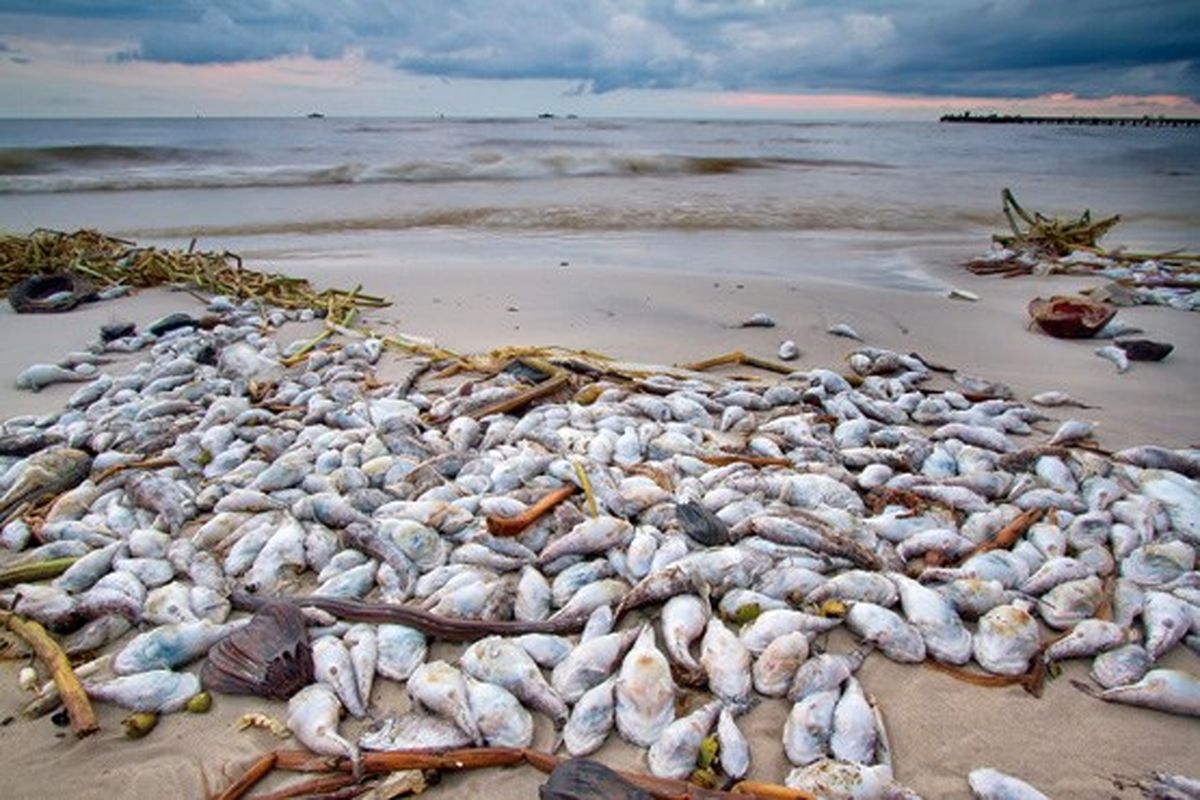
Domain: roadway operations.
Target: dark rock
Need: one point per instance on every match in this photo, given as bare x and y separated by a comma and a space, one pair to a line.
172, 322
1144, 349
117, 330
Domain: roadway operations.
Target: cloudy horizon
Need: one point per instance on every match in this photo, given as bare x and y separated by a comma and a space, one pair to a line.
757, 58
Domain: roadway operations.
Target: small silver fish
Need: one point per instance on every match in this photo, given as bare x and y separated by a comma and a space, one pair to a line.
159, 691
645, 692
313, 715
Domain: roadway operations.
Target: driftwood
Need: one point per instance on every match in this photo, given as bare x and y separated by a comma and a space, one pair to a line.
36, 571
487, 757
511, 526
79, 708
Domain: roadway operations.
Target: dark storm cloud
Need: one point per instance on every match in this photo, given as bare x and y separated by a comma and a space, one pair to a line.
999, 47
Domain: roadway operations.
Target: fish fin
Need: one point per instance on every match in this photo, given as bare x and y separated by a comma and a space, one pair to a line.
1086, 688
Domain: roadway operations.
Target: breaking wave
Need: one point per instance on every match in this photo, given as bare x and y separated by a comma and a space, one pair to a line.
39, 160
599, 218
56, 169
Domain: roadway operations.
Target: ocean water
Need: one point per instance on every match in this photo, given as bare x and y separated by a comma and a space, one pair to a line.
876, 202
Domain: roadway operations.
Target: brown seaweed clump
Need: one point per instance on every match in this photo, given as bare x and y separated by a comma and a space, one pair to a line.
270, 657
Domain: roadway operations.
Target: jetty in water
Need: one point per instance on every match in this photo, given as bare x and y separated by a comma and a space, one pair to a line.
1122, 122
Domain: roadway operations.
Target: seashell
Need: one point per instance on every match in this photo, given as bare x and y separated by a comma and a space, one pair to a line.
269, 657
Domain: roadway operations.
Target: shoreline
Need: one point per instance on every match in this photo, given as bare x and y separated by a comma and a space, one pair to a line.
660, 317
1065, 744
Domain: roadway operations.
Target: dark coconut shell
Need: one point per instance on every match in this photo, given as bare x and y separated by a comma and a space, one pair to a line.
582, 779
270, 657
1145, 349
1071, 317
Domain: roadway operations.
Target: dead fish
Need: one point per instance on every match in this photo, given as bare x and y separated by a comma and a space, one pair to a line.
992, 784
332, 665
400, 650
413, 731
47, 473
673, 753
777, 664
759, 319
1167, 621
701, 525
160, 691
313, 715
171, 646
845, 331
591, 663
808, 727
363, 646
888, 631
844, 780
591, 719
1121, 666
590, 536
1071, 602
859, 585
532, 602
1087, 638
501, 718
1007, 637
726, 662
38, 376
825, 672
771, 624
1053, 399
500, 661
645, 692
732, 748
441, 688
683, 620
1167, 690
853, 735
945, 637
1116, 355
1072, 431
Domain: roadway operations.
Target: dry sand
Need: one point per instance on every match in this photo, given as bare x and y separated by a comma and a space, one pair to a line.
1065, 743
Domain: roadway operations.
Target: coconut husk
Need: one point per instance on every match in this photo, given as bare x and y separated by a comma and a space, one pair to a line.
1070, 317
270, 657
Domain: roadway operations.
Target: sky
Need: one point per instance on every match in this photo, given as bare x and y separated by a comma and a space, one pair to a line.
693, 58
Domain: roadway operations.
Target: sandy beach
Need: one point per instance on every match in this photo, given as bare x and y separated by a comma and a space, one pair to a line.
1066, 744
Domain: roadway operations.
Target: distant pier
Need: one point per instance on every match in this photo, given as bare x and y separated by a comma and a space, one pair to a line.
1120, 122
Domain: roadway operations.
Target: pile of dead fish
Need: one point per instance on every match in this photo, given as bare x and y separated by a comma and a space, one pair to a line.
1164, 281
210, 472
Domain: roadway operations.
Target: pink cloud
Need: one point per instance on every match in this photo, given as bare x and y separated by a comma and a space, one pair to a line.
1053, 103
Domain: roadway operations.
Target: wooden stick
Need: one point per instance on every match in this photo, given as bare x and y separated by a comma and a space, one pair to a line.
543, 389
256, 773
149, 463
391, 761
1008, 535
327, 783
724, 459
37, 571
79, 708
511, 526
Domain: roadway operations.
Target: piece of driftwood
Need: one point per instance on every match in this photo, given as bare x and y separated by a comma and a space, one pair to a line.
512, 526
79, 708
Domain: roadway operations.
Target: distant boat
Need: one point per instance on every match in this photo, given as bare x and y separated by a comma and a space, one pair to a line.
545, 115
316, 115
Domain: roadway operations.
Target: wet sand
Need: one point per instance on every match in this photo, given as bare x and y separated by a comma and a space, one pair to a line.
1066, 744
